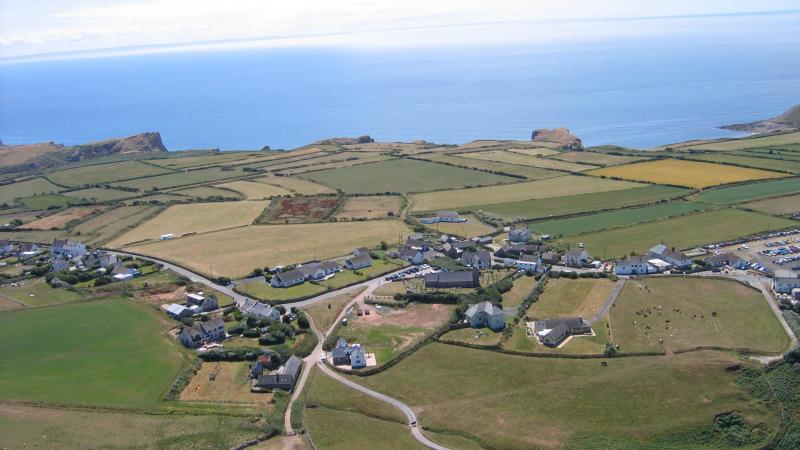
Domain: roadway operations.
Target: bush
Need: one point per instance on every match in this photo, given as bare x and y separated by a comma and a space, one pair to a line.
302, 321
105, 279
281, 309
252, 333
504, 285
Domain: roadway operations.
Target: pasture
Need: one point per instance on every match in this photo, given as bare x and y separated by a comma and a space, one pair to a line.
572, 204
750, 191
193, 218
371, 207
523, 286
551, 187
529, 172
682, 232
101, 194
28, 188
37, 292
186, 162
185, 178
484, 337
254, 190
777, 206
297, 186
204, 192
594, 344
693, 312
235, 252
535, 151
530, 402
564, 297
260, 289
526, 160
324, 313
611, 219
402, 175
104, 173
111, 352
332, 165
596, 159
471, 228
678, 172
113, 222
778, 165
62, 218
47, 201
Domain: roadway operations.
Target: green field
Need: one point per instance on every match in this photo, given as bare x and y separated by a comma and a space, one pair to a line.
611, 219
402, 175
693, 312
526, 160
37, 292
521, 402
564, 297
595, 344
110, 352
114, 222
101, 194
36, 186
262, 290
751, 191
751, 161
104, 173
572, 204
777, 206
47, 201
682, 232
598, 159
203, 192
523, 286
182, 179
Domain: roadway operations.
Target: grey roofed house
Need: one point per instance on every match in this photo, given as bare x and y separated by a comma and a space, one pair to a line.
259, 310
462, 279
361, 251
519, 234
560, 329
358, 262
517, 249
288, 278
416, 244
283, 378
357, 357
485, 314
464, 245
550, 258
340, 354
480, 259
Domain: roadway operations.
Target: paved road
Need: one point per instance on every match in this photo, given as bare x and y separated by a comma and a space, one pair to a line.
612, 297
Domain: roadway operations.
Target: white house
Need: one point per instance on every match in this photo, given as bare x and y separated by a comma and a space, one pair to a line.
358, 261
288, 278
485, 314
671, 256
480, 259
67, 247
635, 265
443, 216
527, 263
257, 309
317, 271
576, 258
784, 281
519, 234
201, 332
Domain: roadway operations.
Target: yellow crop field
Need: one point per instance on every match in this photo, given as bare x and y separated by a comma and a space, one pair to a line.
193, 218
471, 228
370, 207
298, 186
538, 151
551, 187
692, 174
255, 190
526, 160
235, 252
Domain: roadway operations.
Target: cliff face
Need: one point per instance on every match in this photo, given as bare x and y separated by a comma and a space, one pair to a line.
790, 120
28, 157
561, 137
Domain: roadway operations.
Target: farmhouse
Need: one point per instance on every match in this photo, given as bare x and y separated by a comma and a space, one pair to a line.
726, 259
576, 258
202, 332
553, 332
261, 364
460, 279
481, 259
485, 314
519, 234
254, 308
344, 354
5, 247
358, 261
443, 216
283, 378
675, 258
635, 265
67, 247
550, 258
784, 281
288, 278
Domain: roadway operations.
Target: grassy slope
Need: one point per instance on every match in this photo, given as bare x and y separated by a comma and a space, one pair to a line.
682, 232
743, 317
569, 298
105, 173
520, 402
751, 191
38, 293
777, 206
35, 186
110, 352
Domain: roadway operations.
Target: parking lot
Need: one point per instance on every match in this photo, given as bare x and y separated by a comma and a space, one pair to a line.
773, 251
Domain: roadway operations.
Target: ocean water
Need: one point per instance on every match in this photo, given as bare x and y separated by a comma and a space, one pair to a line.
639, 94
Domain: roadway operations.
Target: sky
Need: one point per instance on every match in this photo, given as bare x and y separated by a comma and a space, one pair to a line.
32, 28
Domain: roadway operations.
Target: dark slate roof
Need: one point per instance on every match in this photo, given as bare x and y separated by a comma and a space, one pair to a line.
360, 259
449, 277
290, 275
292, 367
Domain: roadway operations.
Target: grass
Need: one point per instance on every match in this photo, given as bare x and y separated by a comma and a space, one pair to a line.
526, 160
681, 312
549, 188
370, 207
47, 201
110, 352
751, 161
101, 194
329, 393
521, 402
738, 144
529, 172
777, 206
682, 232
576, 345
611, 219
475, 336
677, 172
104, 173
37, 292
260, 289
297, 185
751, 191
203, 192
572, 204
597, 159
42, 427
237, 251
471, 228
182, 179
62, 218
230, 384
564, 297
193, 218
36, 186
343, 278
324, 313
111, 223
205, 160
402, 175
254, 190
523, 286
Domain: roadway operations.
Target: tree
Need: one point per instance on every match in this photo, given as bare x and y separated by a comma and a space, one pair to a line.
302, 321
611, 350
384, 245
281, 309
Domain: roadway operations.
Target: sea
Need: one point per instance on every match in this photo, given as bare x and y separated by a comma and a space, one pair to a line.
633, 92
